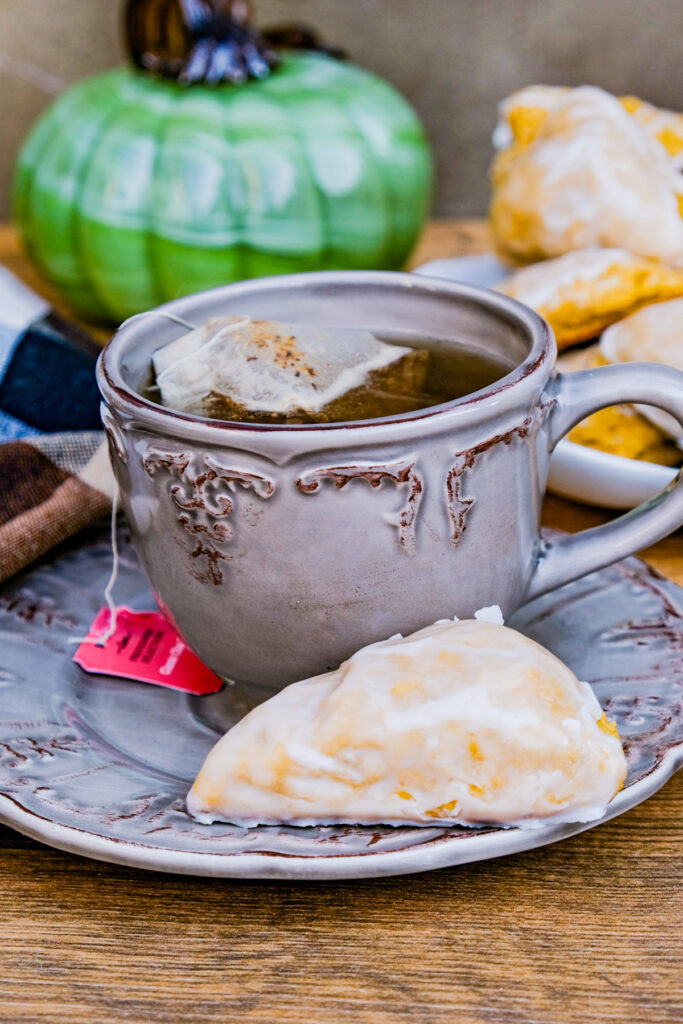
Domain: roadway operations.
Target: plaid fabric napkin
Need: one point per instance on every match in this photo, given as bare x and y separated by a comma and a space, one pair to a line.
55, 476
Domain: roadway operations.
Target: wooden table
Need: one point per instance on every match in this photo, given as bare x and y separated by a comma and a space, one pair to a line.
586, 930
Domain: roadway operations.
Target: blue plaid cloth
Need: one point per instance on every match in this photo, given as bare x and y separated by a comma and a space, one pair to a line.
55, 476
12, 429
47, 367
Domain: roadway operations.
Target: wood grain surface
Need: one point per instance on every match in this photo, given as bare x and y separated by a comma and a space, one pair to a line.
584, 931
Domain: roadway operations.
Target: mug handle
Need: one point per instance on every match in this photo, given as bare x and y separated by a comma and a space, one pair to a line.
574, 396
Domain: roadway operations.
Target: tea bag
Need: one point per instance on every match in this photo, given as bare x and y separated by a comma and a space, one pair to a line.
236, 368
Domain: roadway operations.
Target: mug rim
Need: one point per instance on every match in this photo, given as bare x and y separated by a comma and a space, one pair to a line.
118, 393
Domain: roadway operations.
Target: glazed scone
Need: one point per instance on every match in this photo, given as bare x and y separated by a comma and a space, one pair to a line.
652, 335
622, 430
521, 115
462, 722
584, 291
590, 175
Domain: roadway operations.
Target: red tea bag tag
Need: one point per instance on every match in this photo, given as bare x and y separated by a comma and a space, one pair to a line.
145, 647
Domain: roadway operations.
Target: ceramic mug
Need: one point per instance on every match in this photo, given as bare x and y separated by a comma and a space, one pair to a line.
277, 551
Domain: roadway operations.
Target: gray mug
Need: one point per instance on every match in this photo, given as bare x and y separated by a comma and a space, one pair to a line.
277, 551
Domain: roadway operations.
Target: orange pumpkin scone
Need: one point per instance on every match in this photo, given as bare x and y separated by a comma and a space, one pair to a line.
584, 291
465, 723
582, 174
522, 114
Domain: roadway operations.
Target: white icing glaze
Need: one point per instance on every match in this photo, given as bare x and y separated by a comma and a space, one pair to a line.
542, 284
466, 722
491, 613
654, 120
543, 97
653, 335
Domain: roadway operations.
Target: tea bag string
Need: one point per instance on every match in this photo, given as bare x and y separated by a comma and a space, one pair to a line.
167, 316
158, 312
238, 323
102, 639
228, 329
26, 71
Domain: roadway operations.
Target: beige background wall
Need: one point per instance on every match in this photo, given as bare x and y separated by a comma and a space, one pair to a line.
453, 58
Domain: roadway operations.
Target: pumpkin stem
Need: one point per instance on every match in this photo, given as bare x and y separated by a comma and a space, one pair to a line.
210, 41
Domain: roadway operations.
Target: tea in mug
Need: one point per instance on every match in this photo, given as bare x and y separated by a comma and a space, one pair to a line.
260, 371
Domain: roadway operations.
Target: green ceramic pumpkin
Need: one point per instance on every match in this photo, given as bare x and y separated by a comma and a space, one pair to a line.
132, 190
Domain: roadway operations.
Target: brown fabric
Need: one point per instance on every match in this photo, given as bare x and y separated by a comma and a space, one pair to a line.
71, 506
51, 486
27, 478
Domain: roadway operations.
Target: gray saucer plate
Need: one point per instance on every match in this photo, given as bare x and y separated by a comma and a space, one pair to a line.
100, 766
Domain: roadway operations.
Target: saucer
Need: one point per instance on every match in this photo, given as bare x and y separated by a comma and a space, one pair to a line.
100, 766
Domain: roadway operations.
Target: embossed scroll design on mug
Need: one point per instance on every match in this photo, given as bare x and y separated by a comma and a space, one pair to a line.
401, 473
205, 498
460, 505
